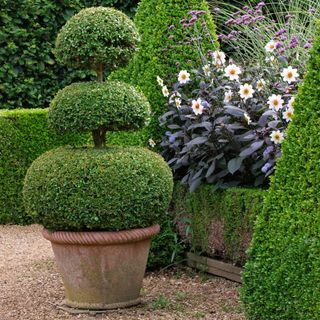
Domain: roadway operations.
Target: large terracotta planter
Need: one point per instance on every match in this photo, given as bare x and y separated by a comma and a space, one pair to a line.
102, 270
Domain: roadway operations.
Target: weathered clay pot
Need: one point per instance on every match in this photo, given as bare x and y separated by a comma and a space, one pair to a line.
102, 270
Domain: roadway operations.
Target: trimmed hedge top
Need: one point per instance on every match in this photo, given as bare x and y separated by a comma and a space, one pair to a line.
96, 36
102, 189
282, 278
89, 105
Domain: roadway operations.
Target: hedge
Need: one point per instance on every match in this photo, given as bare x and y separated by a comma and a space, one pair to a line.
29, 74
24, 135
159, 54
282, 277
221, 222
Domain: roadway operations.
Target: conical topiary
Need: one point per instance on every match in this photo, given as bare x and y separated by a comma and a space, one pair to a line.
282, 277
164, 50
101, 188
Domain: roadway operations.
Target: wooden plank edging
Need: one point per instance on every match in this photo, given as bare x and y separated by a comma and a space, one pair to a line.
215, 267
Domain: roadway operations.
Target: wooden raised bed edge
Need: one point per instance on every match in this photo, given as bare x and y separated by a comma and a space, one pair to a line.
215, 267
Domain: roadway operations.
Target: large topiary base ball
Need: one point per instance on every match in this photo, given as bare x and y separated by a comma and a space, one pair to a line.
98, 189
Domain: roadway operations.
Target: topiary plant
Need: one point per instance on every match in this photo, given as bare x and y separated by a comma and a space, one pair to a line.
101, 188
164, 50
282, 277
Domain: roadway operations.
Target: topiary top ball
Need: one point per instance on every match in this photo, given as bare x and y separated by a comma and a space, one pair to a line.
97, 38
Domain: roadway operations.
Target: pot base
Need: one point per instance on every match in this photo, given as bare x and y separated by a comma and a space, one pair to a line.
95, 308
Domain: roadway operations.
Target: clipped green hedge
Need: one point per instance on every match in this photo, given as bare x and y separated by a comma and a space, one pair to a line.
109, 189
24, 135
282, 276
156, 57
29, 74
221, 221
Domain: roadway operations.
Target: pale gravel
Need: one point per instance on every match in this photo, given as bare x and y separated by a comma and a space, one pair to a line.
31, 288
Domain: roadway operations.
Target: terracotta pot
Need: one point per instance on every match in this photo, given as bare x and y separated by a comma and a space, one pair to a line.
102, 270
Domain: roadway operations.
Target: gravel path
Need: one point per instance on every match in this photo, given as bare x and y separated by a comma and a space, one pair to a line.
30, 287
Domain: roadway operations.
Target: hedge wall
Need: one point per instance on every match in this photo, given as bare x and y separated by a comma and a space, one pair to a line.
29, 75
160, 53
282, 277
24, 135
222, 221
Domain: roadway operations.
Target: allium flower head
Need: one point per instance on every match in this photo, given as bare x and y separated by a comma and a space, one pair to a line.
289, 74
160, 81
246, 91
275, 102
261, 84
270, 46
232, 72
227, 96
277, 137
288, 114
183, 76
165, 91
197, 107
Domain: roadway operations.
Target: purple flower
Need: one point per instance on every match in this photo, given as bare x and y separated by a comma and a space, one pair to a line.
205, 104
193, 19
182, 21
279, 45
168, 133
280, 32
177, 63
312, 10
172, 139
203, 23
266, 167
171, 27
171, 37
307, 45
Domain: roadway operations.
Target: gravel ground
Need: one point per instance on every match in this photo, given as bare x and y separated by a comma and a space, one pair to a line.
30, 287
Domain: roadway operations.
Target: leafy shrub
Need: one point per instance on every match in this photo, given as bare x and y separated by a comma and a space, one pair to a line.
228, 131
88, 105
24, 136
159, 25
97, 36
282, 278
29, 74
102, 189
221, 222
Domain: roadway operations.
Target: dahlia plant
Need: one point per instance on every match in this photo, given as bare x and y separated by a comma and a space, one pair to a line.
226, 122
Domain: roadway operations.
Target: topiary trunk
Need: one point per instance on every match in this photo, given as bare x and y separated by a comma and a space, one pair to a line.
282, 277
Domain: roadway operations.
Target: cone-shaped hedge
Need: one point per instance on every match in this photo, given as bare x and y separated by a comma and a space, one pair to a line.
282, 277
163, 51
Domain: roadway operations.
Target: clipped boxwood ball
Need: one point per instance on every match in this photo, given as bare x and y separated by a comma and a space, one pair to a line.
97, 36
87, 106
102, 189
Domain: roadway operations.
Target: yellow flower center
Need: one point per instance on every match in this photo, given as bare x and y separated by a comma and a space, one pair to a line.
271, 46
277, 136
290, 74
232, 71
197, 105
183, 76
246, 91
275, 102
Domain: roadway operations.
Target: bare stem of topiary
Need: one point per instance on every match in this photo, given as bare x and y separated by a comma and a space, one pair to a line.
99, 71
99, 135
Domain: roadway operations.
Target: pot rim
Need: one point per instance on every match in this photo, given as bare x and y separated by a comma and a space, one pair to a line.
100, 237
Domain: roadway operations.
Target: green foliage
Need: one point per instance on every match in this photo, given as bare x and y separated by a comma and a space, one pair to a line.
156, 56
24, 135
282, 277
102, 189
97, 36
29, 75
234, 212
166, 249
86, 106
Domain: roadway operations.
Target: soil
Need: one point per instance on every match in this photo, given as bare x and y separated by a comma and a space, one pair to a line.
31, 288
